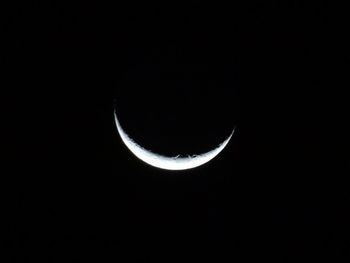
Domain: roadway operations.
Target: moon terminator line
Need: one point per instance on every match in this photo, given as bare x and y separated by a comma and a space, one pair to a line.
165, 162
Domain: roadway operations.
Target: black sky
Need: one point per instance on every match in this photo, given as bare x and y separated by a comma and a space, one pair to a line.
181, 76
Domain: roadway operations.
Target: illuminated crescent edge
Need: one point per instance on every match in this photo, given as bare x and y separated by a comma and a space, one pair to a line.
164, 162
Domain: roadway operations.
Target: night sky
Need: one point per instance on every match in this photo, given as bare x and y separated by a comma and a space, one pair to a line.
181, 77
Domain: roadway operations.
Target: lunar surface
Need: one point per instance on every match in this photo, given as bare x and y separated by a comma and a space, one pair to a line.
165, 162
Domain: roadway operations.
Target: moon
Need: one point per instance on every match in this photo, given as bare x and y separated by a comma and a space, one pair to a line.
165, 162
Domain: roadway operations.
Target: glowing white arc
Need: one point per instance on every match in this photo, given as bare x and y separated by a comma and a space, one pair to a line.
164, 162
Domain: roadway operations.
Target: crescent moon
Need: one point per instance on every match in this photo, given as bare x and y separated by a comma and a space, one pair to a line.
165, 162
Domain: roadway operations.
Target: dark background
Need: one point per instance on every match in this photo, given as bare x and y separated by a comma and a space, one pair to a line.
181, 76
